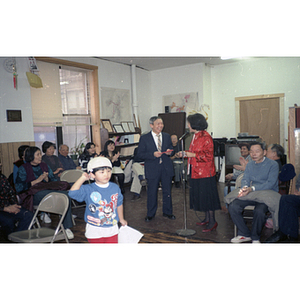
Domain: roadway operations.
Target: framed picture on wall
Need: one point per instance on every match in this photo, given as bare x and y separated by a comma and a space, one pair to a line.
107, 125
131, 126
118, 128
125, 126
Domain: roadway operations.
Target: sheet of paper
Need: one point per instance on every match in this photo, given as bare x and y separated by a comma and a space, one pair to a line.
129, 235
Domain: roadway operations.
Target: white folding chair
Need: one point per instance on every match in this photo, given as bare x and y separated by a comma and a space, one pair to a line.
55, 203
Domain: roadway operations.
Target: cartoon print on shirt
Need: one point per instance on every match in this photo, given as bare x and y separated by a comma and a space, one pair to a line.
107, 211
96, 197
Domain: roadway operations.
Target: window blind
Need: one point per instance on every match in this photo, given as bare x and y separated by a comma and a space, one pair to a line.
46, 101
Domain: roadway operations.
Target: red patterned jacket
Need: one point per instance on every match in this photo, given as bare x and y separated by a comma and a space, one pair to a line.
203, 164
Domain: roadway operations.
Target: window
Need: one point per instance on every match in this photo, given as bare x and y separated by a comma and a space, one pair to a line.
76, 113
75, 97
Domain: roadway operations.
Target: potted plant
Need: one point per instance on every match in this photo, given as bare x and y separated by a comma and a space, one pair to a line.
78, 149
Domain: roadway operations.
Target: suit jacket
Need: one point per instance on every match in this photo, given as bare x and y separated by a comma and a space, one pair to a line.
146, 149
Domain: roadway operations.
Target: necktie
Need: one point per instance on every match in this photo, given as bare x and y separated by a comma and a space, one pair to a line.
159, 146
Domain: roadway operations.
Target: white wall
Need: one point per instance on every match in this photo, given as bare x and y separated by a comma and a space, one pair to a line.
176, 80
19, 99
249, 78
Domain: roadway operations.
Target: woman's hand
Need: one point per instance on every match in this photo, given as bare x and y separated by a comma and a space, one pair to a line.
58, 170
116, 157
12, 209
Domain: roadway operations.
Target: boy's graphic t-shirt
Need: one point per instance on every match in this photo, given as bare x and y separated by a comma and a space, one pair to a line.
101, 206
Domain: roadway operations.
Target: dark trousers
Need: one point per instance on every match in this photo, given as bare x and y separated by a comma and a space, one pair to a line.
152, 189
8, 221
37, 198
289, 212
259, 217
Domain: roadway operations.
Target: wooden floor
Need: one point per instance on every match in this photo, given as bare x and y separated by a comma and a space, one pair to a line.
161, 229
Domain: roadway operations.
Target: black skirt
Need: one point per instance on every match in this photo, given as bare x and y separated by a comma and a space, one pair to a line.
204, 194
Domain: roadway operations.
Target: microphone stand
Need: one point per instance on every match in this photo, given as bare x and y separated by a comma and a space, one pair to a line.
185, 231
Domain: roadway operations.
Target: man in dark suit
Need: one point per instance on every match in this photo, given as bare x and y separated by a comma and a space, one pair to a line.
155, 149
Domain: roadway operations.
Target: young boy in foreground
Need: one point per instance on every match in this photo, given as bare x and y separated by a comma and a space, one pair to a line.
104, 202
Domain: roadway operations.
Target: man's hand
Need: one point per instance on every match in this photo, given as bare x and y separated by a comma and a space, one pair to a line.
244, 191
229, 176
157, 154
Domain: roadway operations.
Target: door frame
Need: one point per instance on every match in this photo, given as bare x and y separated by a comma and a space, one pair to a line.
279, 96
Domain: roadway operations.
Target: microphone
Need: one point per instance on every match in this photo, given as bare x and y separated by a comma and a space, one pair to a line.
184, 135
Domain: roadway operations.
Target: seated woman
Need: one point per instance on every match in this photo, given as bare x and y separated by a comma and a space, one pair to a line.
13, 217
110, 152
52, 160
20, 161
88, 153
36, 178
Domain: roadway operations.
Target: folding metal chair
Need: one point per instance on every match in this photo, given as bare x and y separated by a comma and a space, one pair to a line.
55, 203
72, 176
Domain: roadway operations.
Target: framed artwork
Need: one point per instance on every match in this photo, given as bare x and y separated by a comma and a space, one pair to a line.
125, 126
14, 115
118, 128
131, 126
107, 125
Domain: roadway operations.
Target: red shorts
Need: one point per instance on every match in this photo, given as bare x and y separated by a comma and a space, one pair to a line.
105, 240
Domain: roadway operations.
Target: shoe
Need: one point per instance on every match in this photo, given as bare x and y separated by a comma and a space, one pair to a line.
171, 217
211, 229
136, 197
202, 223
276, 237
177, 184
148, 219
143, 182
45, 218
241, 239
70, 234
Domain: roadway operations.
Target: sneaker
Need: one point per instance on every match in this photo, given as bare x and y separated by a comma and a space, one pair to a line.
136, 197
45, 218
241, 239
70, 234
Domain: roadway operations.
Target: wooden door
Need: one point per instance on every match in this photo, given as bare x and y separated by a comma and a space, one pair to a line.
261, 117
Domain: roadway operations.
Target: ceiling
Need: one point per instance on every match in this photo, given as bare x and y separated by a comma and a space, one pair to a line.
157, 63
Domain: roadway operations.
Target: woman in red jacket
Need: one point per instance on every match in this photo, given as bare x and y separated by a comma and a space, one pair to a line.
201, 170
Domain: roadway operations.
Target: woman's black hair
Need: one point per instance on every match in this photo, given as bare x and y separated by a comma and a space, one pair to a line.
47, 145
88, 146
106, 144
29, 154
197, 121
21, 150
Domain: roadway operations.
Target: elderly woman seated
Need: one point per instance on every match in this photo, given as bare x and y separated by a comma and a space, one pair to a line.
52, 160
35, 180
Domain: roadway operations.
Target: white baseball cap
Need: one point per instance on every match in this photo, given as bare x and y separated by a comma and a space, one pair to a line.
98, 162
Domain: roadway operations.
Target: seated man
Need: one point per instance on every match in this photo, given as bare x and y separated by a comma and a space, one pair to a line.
275, 152
135, 170
260, 174
239, 169
177, 161
13, 217
65, 159
288, 217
